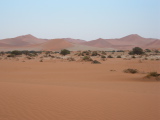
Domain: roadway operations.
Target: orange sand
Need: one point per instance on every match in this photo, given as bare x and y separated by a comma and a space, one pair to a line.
50, 90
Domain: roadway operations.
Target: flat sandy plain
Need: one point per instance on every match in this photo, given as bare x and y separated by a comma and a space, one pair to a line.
56, 90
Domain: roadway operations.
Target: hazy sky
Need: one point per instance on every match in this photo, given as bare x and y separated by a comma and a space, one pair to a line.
81, 19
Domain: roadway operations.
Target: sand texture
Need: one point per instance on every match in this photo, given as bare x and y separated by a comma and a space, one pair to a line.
56, 90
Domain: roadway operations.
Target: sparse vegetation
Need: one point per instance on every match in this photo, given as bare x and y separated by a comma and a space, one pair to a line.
129, 70
136, 50
110, 56
64, 52
94, 53
16, 52
95, 62
103, 56
133, 56
119, 56
11, 55
152, 74
70, 59
87, 58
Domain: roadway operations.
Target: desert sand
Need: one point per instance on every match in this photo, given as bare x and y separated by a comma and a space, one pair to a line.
60, 90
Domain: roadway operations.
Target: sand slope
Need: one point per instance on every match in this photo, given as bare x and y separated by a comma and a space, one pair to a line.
55, 90
22, 41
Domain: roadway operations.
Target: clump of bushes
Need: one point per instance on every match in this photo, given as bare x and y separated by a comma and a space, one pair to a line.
136, 50
103, 56
16, 52
119, 56
133, 56
64, 52
129, 70
11, 55
70, 59
110, 56
153, 74
87, 58
95, 62
94, 53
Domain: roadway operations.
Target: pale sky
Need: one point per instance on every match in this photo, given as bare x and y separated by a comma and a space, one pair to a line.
80, 19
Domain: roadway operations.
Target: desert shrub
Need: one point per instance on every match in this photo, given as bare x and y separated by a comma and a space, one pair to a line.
103, 56
86, 52
133, 56
152, 74
136, 50
41, 60
70, 59
129, 70
103, 53
110, 56
147, 50
95, 62
94, 53
29, 58
156, 51
11, 55
119, 56
87, 58
64, 52
16, 52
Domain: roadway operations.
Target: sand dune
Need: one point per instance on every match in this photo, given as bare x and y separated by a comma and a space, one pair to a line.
74, 40
125, 43
29, 42
155, 44
22, 40
55, 90
55, 44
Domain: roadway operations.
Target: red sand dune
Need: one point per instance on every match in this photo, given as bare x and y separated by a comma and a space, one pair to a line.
29, 42
55, 44
22, 40
98, 43
74, 40
154, 44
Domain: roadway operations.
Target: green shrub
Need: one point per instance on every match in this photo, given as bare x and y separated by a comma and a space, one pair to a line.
129, 70
87, 58
64, 52
103, 53
16, 52
103, 56
94, 53
136, 50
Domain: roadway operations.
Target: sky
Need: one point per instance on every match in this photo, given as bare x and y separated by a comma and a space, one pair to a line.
80, 19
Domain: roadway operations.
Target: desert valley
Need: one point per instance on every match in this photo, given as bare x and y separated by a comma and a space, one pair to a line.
73, 79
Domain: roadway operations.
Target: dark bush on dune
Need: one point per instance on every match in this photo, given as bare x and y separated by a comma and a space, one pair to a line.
95, 62
118, 56
87, 58
129, 70
110, 56
16, 52
136, 50
64, 52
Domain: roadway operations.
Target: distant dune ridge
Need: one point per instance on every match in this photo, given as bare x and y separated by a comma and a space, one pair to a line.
29, 42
